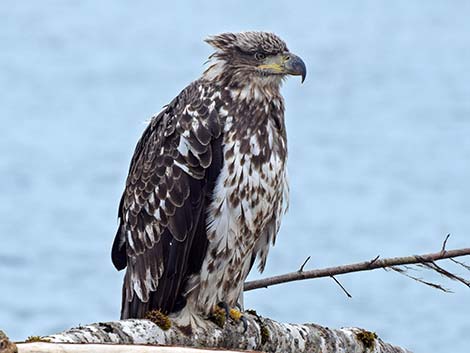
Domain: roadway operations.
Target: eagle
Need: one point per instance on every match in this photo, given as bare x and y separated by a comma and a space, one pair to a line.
207, 184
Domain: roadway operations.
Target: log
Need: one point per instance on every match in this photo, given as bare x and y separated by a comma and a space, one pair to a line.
44, 347
262, 335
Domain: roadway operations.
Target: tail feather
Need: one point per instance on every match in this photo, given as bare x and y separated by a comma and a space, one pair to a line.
163, 299
133, 308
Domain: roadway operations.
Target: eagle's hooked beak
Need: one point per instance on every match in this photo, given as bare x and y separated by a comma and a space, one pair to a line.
294, 65
286, 63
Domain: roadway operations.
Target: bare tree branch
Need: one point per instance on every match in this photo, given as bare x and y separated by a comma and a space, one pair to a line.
364, 266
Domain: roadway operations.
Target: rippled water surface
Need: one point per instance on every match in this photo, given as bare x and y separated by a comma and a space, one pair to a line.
379, 139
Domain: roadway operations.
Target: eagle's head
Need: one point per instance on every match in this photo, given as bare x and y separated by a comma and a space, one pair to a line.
259, 58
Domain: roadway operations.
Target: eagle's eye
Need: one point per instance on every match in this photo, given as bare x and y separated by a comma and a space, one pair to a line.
260, 56
3, 344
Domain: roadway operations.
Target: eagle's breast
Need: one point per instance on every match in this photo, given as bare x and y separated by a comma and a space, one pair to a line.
248, 199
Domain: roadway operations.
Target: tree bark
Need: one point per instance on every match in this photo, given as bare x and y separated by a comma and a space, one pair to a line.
262, 334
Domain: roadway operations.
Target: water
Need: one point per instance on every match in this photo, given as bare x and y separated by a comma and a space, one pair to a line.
378, 137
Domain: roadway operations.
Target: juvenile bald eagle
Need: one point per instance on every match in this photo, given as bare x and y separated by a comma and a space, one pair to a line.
207, 184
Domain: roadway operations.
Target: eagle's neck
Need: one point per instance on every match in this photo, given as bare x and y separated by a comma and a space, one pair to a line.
215, 70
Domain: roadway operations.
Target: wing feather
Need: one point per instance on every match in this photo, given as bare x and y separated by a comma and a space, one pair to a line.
162, 210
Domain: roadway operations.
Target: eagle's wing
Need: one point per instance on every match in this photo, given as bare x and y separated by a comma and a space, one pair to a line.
162, 234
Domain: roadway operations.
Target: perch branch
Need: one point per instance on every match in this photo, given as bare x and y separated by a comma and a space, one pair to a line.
262, 335
427, 259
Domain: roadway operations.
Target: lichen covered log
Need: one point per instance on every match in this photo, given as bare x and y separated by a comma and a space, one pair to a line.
262, 334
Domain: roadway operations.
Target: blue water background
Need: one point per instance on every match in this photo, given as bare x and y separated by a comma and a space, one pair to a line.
379, 143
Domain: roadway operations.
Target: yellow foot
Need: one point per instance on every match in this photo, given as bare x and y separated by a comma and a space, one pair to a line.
222, 312
235, 314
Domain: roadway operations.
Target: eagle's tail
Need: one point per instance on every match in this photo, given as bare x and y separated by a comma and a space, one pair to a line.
162, 299
166, 297
133, 308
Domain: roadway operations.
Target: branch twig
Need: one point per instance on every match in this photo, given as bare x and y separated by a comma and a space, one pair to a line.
374, 260
443, 250
461, 264
433, 266
301, 269
417, 279
341, 286
356, 267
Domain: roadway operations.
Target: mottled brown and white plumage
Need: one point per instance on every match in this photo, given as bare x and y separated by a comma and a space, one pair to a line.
6, 346
207, 184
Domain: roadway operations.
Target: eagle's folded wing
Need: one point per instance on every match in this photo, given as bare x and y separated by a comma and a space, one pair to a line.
161, 236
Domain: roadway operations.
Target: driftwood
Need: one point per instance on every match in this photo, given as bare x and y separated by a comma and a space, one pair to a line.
262, 334
44, 347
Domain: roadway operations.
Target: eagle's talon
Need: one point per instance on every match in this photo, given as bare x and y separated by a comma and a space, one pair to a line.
244, 322
224, 306
237, 316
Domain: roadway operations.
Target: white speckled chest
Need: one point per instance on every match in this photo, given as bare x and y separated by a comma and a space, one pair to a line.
249, 199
